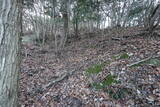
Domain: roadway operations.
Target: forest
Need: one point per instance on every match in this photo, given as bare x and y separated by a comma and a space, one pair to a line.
79, 53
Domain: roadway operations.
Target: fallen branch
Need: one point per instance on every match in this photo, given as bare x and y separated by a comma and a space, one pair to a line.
143, 60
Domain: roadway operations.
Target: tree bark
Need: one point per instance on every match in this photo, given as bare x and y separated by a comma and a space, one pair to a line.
10, 32
65, 24
76, 28
155, 16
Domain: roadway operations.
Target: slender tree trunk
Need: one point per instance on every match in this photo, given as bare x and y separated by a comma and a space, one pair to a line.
76, 24
98, 13
65, 18
9, 51
76, 28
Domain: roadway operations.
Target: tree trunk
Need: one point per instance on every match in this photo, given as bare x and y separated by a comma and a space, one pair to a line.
154, 19
65, 18
75, 23
9, 51
76, 28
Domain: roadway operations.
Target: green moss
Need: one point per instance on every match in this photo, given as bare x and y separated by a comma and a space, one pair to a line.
121, 56
114, 57
97, 68
119, 94
113, 93
93, 46
124, 56
97, 86
109, 80
94, 69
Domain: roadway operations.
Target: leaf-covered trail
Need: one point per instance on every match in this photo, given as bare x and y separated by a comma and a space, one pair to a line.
41, 66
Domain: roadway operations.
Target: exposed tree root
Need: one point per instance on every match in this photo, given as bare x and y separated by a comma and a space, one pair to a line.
62, 77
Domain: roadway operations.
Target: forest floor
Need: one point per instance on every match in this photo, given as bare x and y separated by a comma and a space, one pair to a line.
130, 72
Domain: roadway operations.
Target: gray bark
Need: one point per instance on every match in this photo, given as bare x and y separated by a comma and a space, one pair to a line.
9, 51
65, 24
155, 18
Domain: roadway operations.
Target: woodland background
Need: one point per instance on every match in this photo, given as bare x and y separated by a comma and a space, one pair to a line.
85, 53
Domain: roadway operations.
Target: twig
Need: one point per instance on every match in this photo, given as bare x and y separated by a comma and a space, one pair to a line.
117, 39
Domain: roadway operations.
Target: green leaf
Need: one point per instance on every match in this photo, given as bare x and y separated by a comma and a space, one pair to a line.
109, 80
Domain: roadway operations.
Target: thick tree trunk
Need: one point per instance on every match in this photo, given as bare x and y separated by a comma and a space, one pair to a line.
9, 51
